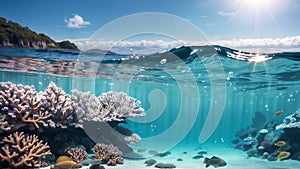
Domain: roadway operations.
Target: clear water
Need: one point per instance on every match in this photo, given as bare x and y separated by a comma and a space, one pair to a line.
193, 96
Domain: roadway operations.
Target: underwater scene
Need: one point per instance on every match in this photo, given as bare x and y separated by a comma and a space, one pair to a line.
190, 107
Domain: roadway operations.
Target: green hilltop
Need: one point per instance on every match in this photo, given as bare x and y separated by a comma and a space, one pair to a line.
14, 35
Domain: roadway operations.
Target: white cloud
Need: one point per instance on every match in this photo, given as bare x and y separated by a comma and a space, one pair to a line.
76, 22
285, 43
256, 45
225, 13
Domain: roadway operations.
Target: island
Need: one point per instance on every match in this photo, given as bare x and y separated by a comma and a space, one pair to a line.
14, 35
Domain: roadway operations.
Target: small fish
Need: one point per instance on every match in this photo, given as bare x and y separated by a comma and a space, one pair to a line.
283, 155
214, 161
279, 113
280, 143
66, 165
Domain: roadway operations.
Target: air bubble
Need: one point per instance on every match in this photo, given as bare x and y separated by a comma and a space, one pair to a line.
163, 61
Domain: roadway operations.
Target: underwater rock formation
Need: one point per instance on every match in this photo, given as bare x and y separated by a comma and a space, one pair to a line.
109, 154
259, 120
23, 151
165, 165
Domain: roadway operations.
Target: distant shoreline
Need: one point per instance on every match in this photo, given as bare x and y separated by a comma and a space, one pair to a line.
14, 35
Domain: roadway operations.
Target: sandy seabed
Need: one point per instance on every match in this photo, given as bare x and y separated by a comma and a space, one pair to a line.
236, 159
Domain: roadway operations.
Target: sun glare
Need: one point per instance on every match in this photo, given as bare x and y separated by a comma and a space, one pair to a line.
255, 3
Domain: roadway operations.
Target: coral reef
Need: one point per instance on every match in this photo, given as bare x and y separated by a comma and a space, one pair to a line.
60, 106
35, 114
77, 154
88, 106
270, 140
291, 121
56, 116
123, 105
16, 97
22, 105
110, 106
109, 154
23, 151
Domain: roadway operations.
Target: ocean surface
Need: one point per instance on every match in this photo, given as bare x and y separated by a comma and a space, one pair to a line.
196, 96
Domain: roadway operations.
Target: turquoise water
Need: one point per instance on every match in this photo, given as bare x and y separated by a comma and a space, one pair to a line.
192, 96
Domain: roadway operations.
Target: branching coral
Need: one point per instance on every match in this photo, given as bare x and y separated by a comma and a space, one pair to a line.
23, 151
14, 96
60, 105
111, 106
20, 103
88, 106
109, 154
35, 114
77, 154
123, 105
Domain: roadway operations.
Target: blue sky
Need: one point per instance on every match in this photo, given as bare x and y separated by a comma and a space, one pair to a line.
234, 23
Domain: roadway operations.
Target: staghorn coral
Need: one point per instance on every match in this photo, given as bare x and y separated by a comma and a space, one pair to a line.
23, 151
77, 154
109, 154
291, 121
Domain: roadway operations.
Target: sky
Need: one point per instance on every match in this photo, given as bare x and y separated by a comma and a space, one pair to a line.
241, 24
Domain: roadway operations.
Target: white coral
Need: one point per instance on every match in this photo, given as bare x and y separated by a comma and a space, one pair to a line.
291, 121
111, 106
124, 106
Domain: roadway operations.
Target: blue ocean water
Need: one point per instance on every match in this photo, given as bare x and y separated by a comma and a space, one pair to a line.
192, 96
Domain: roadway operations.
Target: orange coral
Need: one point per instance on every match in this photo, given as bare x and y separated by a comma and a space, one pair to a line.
21, 151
